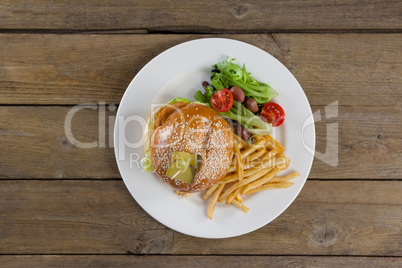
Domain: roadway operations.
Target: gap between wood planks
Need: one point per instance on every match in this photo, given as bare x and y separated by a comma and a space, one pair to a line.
200, 31
197, 255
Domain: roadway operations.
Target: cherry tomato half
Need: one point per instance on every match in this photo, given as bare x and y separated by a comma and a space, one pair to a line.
273, 113
222, 100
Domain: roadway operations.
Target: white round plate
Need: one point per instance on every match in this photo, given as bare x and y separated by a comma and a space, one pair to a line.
179, 72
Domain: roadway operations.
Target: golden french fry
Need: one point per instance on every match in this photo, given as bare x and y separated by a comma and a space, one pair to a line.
239, 205
238, 198
229, 178
282, 162
232, 179
239, 164
258, 137
252, 171
266, 161
245, 167
270, 146
214, 199
233, 195
242, 183
272, 162
280, 155
274, 142
246, 173
240, 140
253, 148
269, 155
254, 176
182, 193
248, 166
261, 181
210, 191
255, 155
286, 165
233, 163
288, 177
268, 186
232, 168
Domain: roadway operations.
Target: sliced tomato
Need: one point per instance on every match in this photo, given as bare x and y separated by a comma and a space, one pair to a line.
222, 100
272, 113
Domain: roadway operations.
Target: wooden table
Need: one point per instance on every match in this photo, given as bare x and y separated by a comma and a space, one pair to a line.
61, 205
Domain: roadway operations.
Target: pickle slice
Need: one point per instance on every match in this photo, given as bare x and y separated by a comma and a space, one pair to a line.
186, 157
180, 170
183, 166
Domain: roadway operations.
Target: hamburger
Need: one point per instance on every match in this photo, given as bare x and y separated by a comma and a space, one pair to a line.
190, 146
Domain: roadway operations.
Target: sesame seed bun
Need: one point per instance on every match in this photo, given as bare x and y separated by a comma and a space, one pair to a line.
196, 129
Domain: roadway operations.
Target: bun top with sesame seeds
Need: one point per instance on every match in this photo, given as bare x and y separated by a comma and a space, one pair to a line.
195, 129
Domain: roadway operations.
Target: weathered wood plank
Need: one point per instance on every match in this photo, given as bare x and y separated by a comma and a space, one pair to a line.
100, 217
196, 261
201, 16
354, 69
368, 141
33, 143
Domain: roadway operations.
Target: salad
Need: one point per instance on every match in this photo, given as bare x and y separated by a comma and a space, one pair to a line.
238, 96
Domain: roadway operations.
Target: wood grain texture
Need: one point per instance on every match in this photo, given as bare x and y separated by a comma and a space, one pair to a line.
64, 206
101, 217
366, 143
201, 16
196, 261
34, 143
354, 69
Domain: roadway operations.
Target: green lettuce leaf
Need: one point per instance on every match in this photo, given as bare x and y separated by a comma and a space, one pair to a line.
230, 74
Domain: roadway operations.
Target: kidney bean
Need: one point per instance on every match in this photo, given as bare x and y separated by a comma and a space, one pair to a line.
252, 105
233, 124
244, 133
240, 131
238, 93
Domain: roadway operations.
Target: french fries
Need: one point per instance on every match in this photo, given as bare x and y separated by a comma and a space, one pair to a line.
258, 145
239, 205
182, 193
260, 181
240, 141
213, 201
275, 185
210, 191
239, 162
253, 169
286, 178
255, 155
239, 184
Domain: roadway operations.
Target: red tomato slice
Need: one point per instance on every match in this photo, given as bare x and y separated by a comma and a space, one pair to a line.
222, 100
272, 113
